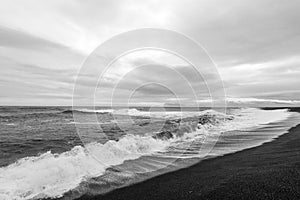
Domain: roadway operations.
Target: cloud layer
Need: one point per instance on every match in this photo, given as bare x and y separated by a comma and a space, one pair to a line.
255, 45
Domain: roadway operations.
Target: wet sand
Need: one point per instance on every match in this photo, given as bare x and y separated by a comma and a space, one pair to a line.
269, 171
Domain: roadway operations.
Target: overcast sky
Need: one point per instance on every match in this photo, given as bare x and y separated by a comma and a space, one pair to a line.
254, 43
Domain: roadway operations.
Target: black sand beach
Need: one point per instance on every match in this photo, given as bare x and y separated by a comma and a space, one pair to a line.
270, 171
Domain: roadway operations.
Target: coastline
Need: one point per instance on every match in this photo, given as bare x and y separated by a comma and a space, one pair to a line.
269, 171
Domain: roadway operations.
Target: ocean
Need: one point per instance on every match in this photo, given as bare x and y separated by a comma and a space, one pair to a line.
60, 152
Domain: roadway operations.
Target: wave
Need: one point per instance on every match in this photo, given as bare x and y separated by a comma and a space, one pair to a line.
51, 175
166, 114
131, 111
102, 111
136, 112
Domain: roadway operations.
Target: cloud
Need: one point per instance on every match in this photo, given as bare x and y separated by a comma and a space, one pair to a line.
27, 82
243, 31
144, 76
254, 43
252, 102
82, 25
32, 66
256, 101
19, 39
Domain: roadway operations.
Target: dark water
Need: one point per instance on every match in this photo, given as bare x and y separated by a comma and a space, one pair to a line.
33, 132
29, 131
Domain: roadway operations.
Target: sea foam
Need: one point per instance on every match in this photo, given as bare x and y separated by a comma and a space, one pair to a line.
51, 175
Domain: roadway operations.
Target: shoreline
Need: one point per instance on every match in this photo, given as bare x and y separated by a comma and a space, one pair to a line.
268, 171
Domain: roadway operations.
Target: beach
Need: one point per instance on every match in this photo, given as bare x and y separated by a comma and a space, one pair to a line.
149, 100
269, 171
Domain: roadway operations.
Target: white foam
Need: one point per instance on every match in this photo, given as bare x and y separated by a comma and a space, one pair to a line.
131, 112
246, 118
161, 114
95, 111
51, 175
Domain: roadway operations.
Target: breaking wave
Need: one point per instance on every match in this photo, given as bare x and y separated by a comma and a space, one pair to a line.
51, 175
101, 111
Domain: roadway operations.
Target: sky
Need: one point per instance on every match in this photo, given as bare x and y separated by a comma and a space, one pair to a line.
255, 45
